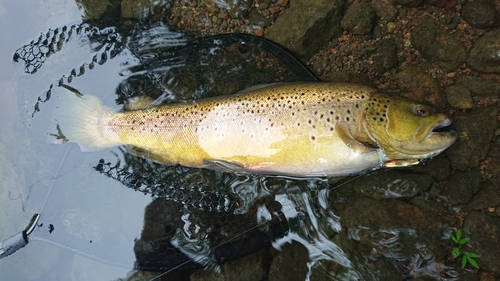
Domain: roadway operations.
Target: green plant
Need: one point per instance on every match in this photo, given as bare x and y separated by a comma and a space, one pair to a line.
457, 251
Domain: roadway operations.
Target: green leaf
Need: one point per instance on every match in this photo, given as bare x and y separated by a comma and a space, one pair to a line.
472, 262
471, 255
459, 234
464, 261
463, 241
456, 252
453, 238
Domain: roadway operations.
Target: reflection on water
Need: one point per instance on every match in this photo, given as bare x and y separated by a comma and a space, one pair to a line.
193, 217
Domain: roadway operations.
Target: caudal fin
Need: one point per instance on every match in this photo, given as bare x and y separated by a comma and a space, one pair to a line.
83, 120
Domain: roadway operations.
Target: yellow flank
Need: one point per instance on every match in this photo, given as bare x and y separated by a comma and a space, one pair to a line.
278, 125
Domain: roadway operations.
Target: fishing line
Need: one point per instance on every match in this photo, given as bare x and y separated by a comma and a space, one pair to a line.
253, 228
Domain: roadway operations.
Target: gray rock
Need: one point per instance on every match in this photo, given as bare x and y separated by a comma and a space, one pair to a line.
475, 130
386, 56
359, 18
384, 9
487, 196
392, 183
410, 3
459, 97
461, 186
485, 53
438, 46
484, 233
481, 87
307, 26
479, 13
290, 264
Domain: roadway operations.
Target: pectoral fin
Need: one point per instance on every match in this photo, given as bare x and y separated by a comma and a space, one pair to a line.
401, 163
345, 134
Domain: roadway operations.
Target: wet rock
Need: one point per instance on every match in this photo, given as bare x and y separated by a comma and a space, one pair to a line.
290, 264
410, 3
459, 97
385, 57
384, 9
438, 168
462, 186
392, 183
484, 233
434, 207
247, 268
475, 130
307, 26
479, 13
487, 196
438, 46
359, 18
417, 85
393, 228
145, 9
484, 54
480, 86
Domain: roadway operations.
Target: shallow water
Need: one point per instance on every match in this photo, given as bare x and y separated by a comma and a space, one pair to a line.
92, 212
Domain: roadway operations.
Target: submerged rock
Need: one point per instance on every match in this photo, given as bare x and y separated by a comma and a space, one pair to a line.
284, 265
307, 26
393, 228
485, 53
392, 183
487, 196
359, 18
462, 186
438, 46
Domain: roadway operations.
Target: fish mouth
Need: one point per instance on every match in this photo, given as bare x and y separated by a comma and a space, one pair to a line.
438, 139
439, 129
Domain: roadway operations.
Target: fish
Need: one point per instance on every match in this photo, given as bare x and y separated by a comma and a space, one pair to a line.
299, 129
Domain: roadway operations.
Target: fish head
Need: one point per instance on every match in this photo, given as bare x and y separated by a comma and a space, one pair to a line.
405, 129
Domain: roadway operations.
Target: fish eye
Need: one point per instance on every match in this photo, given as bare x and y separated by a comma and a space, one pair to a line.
421, 111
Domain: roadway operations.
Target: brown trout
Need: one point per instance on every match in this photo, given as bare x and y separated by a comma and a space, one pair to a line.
296, 129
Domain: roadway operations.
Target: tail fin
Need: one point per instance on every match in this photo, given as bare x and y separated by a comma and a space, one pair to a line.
82, 119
